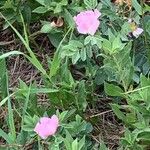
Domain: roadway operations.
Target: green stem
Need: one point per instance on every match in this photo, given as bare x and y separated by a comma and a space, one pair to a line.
35, 34
136, 90
63, 39
39, 144
71, 34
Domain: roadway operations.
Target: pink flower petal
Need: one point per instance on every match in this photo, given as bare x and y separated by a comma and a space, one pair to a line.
87, 22
97, 13
137, 32
54, 122
93, 29
47, 126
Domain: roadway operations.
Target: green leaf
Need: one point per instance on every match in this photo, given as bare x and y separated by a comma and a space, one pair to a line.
10, 110
2, 102
75, 57
33, 58
11, 121
76, 43
27, 98
68, 140
72, 48
87, 40
3, 79
57, 59
37, 64
30, 123
58, 8
75, 145
106, 45
40, 90
47, 28
40, 10
69, 19
28, 120
91, 4
55, 38
55, 65
63, 117
145, 82
93, 41
64, 2
25, 41
147, 8
137, 7
27, 13
89, 51
82, 96
5, 136
81, 143
41, 2
98, 42
103, 146
67, 53
116, 43
127, 135
113, 90
47, 3
116, 109
28, 128
83, 54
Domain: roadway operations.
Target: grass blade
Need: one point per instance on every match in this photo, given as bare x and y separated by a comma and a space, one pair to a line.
2, 102
33, 59
5, 136
10, 53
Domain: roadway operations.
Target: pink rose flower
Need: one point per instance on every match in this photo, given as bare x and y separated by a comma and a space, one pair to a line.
47, 126
87, 22
137, 32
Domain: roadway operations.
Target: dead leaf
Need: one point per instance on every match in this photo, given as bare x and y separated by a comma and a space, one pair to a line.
57, 22
121, 2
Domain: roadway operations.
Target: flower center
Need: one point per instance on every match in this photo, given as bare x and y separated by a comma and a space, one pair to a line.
133, 26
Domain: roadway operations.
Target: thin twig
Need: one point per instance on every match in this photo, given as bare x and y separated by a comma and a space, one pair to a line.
102, 113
